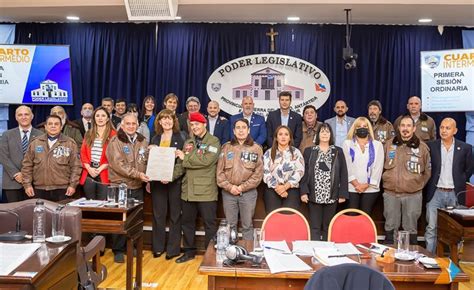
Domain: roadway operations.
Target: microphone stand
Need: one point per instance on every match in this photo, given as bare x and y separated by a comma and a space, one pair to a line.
16, 235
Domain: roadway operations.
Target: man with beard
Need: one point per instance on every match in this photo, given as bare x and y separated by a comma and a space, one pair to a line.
217, 125
383, 129
425, 125
258, 129
407, 170
341, 123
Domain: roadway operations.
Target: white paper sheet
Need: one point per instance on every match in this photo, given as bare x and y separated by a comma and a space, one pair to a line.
464, 212
331, 256
347, 249
160, 165
280, 262
305, 248
13, 255
277, 246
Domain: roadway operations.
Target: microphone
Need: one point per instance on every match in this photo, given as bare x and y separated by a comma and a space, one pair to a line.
16, 235
458, 194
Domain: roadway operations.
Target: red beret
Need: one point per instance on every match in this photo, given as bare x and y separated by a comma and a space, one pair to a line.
197, 117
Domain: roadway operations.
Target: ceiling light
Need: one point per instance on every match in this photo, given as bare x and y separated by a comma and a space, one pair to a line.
425, 20
293, 18
73, 18
177, 18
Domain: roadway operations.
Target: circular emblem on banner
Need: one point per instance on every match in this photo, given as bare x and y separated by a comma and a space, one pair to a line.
263, 77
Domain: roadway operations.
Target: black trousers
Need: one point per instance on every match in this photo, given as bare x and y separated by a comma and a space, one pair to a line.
95, 190
320, 216
364, 201
120, 241
14, 195
208, 212
273, 200
52, 195
164, 197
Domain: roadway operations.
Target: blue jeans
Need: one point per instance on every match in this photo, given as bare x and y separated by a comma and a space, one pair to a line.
441, 199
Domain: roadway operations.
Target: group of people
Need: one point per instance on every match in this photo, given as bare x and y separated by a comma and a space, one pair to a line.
307, 161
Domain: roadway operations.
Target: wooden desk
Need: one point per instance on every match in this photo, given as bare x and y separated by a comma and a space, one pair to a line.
123, 221
404, 275
55, 265
453, 228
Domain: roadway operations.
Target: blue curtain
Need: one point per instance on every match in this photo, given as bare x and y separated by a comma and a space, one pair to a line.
132, 60
107, 60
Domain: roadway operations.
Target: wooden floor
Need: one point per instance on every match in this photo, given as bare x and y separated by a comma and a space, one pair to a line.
158, 273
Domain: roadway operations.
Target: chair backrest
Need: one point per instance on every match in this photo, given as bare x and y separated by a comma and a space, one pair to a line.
352, 226
469, 194
348, 277
72, 217
285, 224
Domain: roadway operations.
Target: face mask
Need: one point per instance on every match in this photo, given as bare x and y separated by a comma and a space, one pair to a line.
362, 132
87, 113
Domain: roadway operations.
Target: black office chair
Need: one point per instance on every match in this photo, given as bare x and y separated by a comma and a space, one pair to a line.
348, 277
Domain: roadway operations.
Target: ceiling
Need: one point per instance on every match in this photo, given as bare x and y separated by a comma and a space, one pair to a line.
450, 13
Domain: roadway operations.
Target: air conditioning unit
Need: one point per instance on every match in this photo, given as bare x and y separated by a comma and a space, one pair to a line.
151, 10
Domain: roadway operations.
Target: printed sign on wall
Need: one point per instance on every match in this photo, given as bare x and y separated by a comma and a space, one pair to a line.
263, 77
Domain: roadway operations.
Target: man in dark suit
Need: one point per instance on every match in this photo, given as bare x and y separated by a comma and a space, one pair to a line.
451, 163
13, 145
217, 125
258, 128
284, 116
85, 122
193, 105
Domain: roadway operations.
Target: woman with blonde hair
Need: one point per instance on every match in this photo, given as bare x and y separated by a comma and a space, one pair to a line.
364, 158
283, 168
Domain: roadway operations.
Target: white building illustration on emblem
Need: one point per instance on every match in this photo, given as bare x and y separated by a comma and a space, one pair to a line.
266, 84
48, 89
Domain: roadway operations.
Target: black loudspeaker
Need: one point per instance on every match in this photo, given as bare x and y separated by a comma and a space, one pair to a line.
236, 254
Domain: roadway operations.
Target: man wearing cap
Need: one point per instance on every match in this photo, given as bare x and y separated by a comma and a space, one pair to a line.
425, 125
451, 162
383, 129
199, 186
51, 167
192, 105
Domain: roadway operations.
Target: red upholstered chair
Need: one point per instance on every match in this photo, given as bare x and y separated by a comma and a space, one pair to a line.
285, 224
469, 194
356, 229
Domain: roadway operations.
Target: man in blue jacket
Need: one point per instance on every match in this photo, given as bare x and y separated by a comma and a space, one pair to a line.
285, 116
258, 129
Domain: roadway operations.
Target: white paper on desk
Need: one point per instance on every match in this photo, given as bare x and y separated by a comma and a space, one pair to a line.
160, 165
324, 256
347, 249
13, 255
87, 202
280, 262
305, 248
277, 246
464, 212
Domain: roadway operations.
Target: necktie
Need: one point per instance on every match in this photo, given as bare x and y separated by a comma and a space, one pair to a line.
89, 125
24, 141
